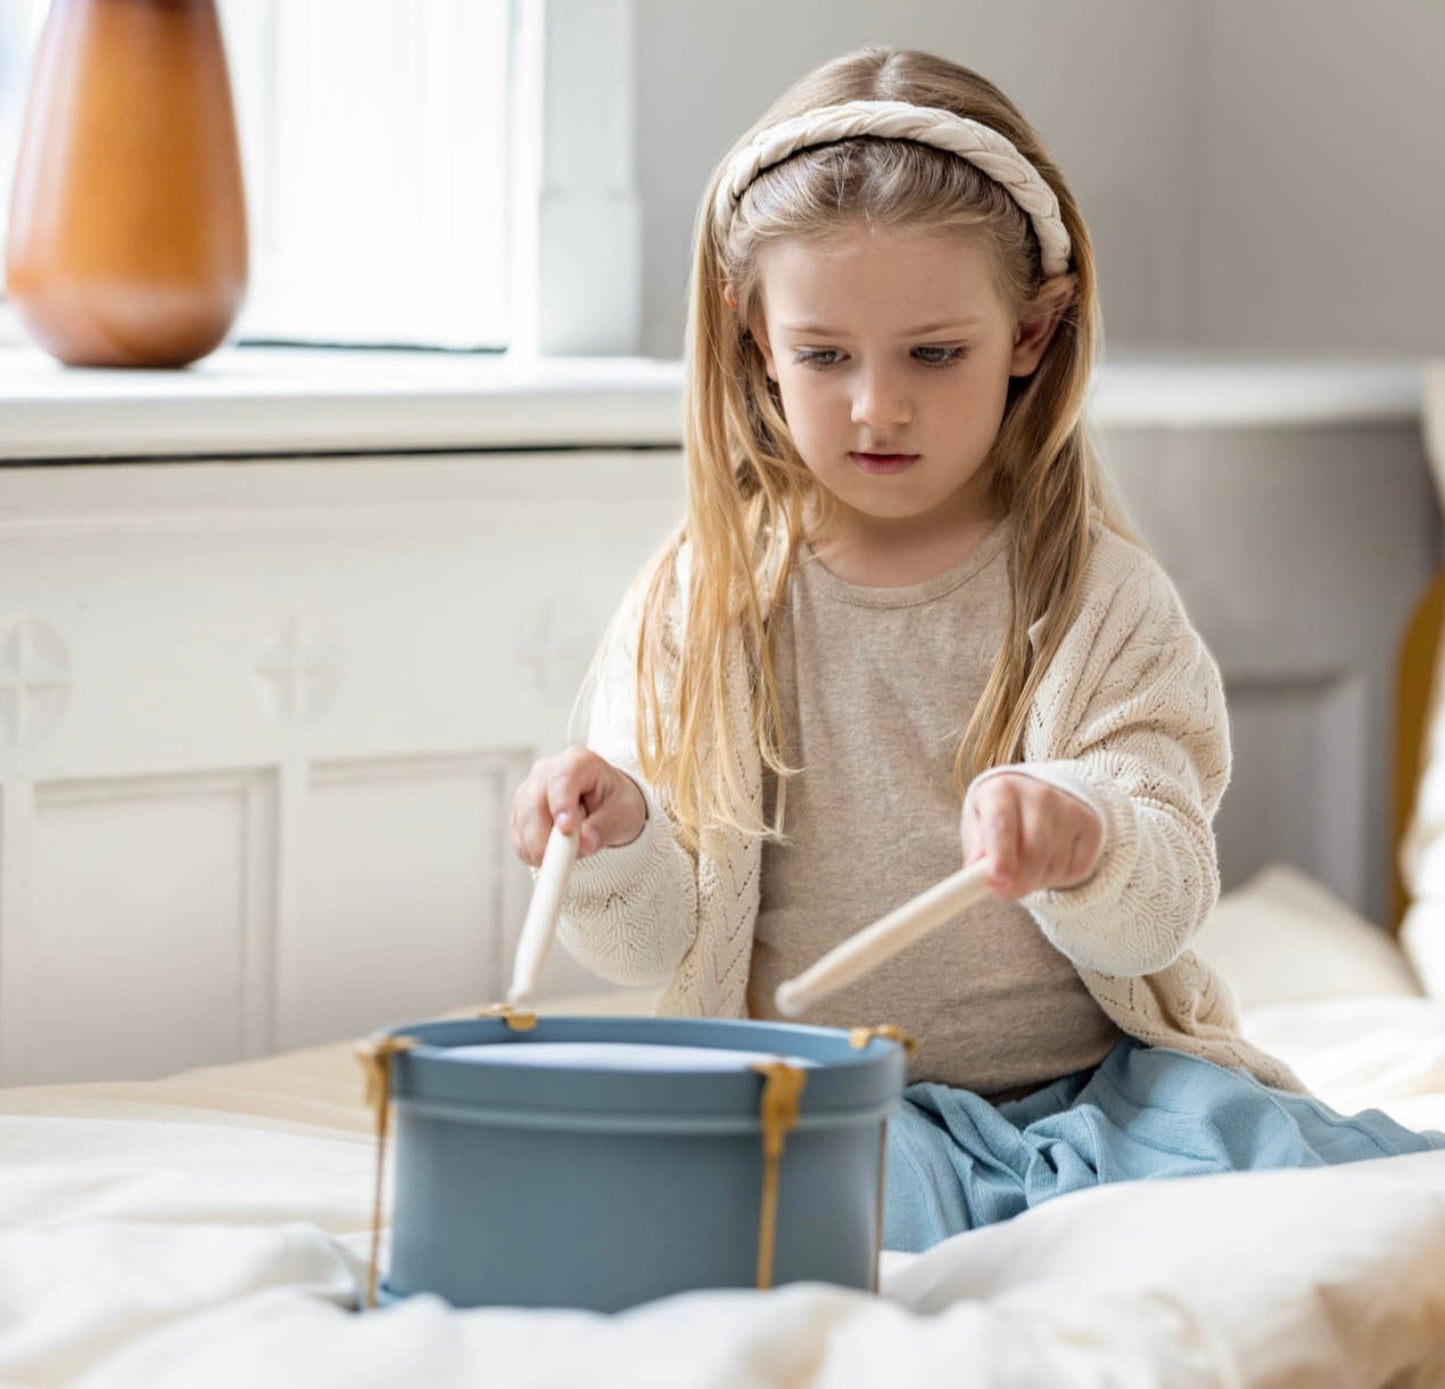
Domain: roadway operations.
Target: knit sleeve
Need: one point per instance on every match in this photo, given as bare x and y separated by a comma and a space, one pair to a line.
1135, 726
630, 913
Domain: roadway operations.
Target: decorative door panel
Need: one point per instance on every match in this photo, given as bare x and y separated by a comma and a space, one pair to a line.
137, 939
1298, 790
401, 890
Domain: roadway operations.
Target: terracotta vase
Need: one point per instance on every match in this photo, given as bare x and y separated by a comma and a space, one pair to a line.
127, 242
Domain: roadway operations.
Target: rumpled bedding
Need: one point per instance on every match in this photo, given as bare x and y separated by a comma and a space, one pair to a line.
212, 1229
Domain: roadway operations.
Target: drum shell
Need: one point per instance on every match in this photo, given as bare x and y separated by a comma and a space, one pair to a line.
534, 1186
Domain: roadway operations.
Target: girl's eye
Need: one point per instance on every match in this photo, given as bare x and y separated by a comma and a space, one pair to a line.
810, 359
948, 356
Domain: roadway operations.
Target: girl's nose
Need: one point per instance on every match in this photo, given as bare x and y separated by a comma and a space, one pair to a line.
880, 403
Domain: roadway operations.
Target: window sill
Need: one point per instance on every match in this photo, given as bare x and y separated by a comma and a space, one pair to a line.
244, 401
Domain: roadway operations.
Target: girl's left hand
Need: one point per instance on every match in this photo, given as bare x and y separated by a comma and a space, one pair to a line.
1034, 835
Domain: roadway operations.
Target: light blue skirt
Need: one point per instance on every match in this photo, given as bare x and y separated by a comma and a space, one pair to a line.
955, 1161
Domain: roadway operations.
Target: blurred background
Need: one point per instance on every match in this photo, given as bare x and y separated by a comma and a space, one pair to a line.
1255, 175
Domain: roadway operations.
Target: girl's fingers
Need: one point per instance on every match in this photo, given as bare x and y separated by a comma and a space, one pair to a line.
589, 831
1036, 855
569, 791
969, 833
539, 828
602, 822
1054, 871
1084, 854
565, 791
1000, 828
1032, 836
582, 799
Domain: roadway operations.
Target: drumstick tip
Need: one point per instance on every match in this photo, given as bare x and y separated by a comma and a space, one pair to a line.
786, 997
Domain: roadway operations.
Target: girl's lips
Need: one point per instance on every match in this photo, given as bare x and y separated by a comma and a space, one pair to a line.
884, 462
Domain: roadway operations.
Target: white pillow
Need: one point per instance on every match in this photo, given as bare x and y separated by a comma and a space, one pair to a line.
1284, 937
1422, 854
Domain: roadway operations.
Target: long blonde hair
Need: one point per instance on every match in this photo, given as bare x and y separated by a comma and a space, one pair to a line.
748, 488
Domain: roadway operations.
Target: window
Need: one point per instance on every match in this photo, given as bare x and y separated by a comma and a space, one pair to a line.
374, 135
396, 154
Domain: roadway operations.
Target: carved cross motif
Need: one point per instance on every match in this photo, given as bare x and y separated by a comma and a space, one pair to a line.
34, 678
299, 668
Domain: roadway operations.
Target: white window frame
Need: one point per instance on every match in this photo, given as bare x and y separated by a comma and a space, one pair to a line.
383, 224
574, 255
578, 234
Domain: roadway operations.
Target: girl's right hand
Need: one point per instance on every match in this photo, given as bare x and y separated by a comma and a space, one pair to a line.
576, 786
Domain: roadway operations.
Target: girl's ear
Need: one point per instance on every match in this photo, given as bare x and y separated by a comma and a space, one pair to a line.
732, 298
1041, 319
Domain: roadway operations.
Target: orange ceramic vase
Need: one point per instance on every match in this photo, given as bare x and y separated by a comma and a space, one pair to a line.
127, 241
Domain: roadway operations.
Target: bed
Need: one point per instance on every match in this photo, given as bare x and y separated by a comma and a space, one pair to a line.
212, 1228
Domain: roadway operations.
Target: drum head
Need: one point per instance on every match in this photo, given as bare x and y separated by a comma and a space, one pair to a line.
661, 1065
621, 1056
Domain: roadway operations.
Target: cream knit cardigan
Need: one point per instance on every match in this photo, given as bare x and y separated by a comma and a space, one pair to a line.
1129, 718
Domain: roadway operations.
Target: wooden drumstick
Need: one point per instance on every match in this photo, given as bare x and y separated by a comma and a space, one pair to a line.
548, 893
885, 937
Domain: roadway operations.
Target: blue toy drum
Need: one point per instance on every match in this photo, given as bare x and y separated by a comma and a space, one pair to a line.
604, 1162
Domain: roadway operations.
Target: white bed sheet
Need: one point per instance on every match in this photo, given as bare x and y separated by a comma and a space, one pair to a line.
211, 1230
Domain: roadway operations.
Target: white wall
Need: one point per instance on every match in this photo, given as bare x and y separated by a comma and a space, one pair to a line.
1322, 185
1257, 174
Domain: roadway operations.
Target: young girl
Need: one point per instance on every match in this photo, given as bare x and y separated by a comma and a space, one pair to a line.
904, 627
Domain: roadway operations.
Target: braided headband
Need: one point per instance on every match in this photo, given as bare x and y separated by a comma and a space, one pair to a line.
980, 144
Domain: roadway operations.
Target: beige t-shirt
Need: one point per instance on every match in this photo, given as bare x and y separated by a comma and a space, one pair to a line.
877, 686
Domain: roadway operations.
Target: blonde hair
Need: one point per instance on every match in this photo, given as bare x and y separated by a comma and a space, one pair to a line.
748, 488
